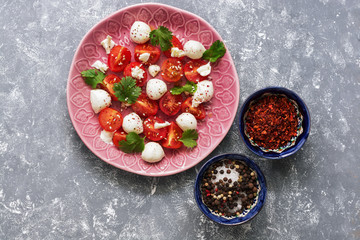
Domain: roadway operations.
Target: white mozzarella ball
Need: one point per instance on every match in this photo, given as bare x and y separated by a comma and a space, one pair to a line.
140, 32
132, 123
204, 92
107, 136
155, 88
153, 152
194, 49
186, 121
100, 99
154, 70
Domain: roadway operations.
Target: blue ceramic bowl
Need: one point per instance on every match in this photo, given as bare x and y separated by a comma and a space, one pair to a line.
237, 220
305, 123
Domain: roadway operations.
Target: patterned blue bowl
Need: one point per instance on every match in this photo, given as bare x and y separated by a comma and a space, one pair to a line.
253, 211
300, 140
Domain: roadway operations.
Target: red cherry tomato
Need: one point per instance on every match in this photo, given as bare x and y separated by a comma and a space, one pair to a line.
118, 58
175, 43
119, 136
128, 72
173, 136
108, 84
150, 131
144, 106
110, 119
190, 70
147, 48
170, 104
198, 112
172, 70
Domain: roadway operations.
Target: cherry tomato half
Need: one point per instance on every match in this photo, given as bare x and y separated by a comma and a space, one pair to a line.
172, 70
198, 112
137, 71
119, 135
173, 136
170, 104
147, 48
175, 43
144, 106
110, 119
150, 131
108, 84
190, 70
118, 58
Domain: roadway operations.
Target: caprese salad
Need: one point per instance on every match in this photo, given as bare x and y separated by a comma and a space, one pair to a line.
165, 92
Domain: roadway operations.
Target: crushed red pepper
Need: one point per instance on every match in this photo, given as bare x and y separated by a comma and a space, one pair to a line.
272, 121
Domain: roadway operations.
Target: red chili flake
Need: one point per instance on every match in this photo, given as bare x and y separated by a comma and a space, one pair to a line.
272, 121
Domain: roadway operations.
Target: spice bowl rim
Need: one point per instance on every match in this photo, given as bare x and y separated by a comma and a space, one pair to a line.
306, 122
253, 211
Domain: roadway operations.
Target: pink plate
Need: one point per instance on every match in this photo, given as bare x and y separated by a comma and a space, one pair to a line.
221, 110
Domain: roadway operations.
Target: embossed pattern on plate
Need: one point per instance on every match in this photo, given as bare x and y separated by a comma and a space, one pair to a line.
221, 110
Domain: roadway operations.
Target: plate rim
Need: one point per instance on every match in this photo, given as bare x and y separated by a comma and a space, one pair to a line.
72, 69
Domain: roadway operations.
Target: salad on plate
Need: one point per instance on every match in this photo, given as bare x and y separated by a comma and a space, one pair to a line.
178, 88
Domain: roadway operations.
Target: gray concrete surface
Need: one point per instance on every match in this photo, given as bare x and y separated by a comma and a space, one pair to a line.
53, 187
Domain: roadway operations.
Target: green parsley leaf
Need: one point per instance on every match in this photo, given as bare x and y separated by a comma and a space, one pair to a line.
133, 144
188, 87
126, 90
161, 36
216, 51
93, 77
189, 138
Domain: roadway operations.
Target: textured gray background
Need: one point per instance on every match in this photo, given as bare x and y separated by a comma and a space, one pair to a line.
53, 187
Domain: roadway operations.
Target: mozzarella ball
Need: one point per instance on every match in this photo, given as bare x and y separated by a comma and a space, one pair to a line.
140, 32
155, 88
153, 152
204, 70
154, 70
204, 92
100, 99
186, 121
132, 123
107, 136
194, 49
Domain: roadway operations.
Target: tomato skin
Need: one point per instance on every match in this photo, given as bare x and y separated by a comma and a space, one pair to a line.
118, 58
173, 136
198, 112
119, 136
175, 43
170, 104
190, 70
110, 119
144, 106
108, 84
150, 131
128, 73
172, 70
147, 48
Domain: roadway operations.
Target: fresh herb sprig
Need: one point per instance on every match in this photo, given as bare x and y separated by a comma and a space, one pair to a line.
217, 50
133, 144
161, 36
93, 77
188, 87
126, 90
189, 138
